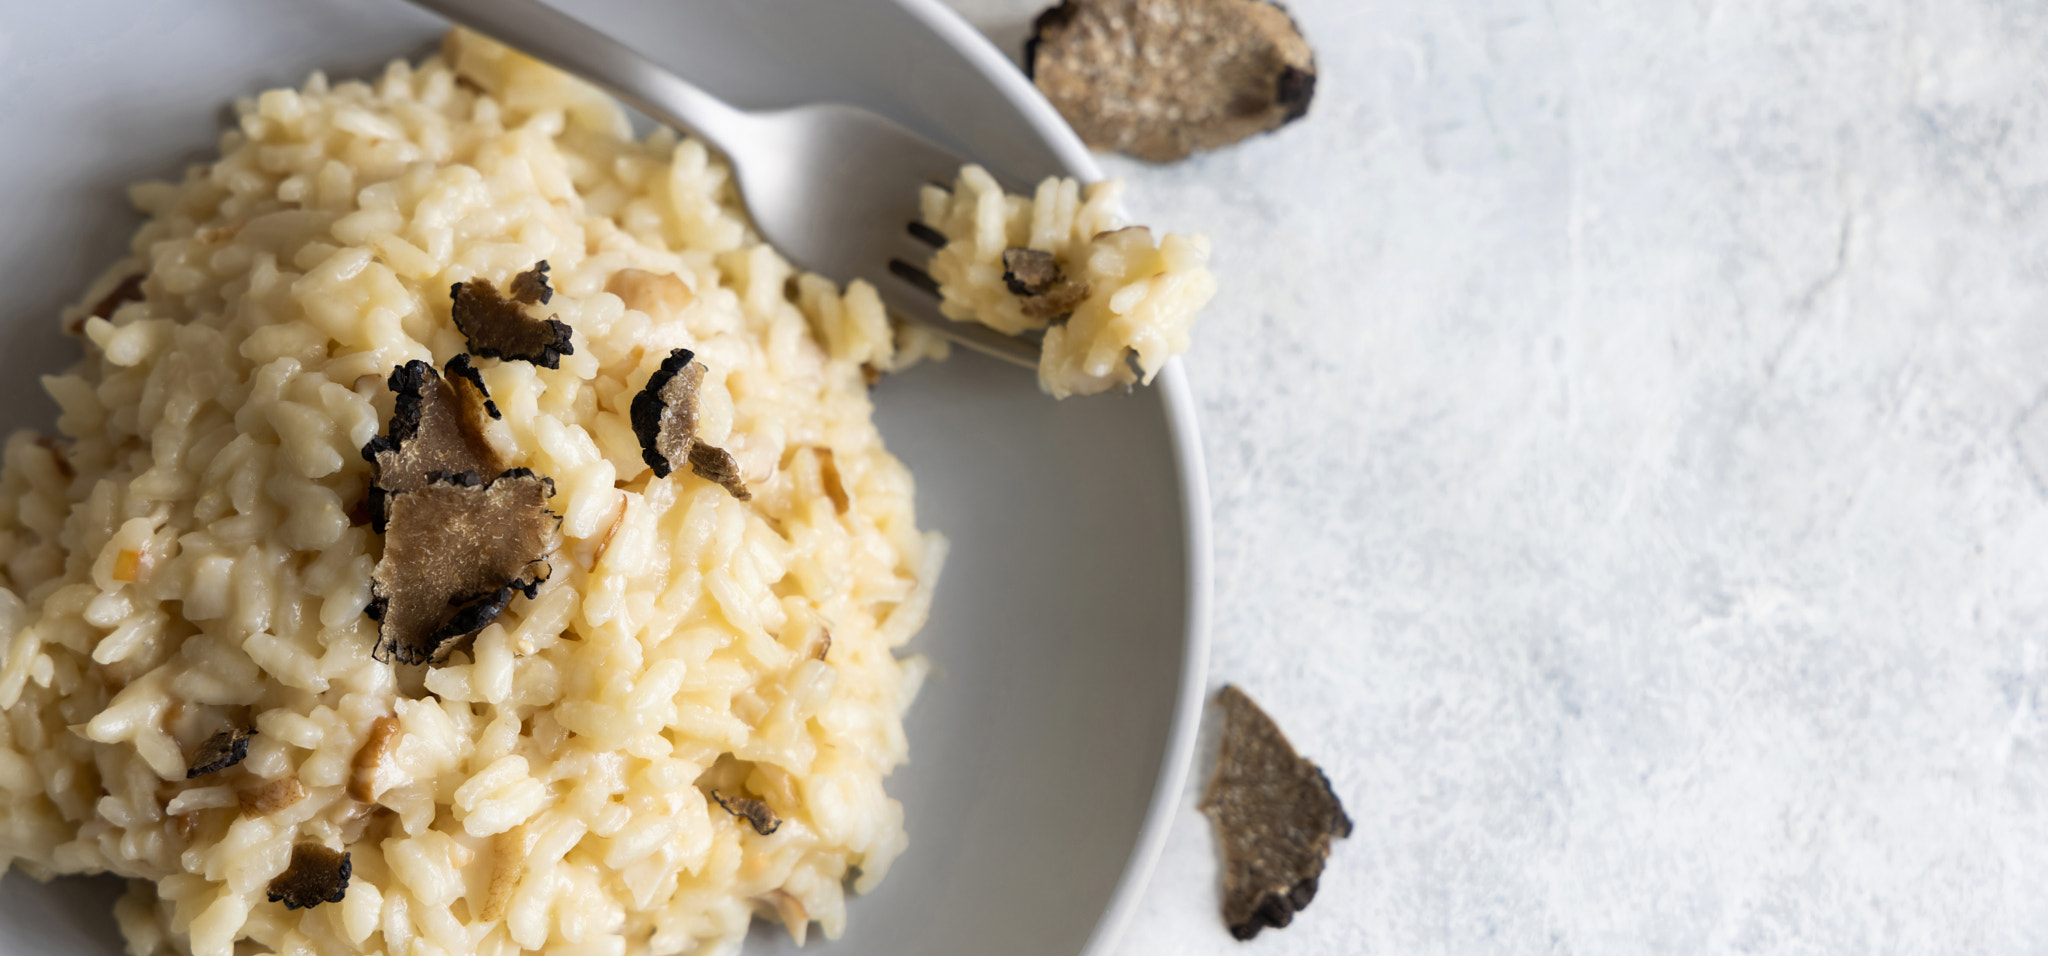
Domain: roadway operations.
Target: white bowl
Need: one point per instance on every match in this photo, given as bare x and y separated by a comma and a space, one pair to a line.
1068, 637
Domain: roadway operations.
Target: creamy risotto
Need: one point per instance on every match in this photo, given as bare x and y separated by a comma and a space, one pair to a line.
1112, 303
681, 709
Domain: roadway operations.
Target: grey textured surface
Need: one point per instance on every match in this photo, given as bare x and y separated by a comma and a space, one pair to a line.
1628, 437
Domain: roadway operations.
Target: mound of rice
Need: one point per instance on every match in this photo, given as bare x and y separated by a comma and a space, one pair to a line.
184, 559
1133, 300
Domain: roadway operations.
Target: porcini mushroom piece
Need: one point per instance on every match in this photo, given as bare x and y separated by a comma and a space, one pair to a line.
371, 759
660, 295
316, 875
455, 551
269, 796
1274, 815
1161, 79
834, 484
790, 911
508, 867
499, 327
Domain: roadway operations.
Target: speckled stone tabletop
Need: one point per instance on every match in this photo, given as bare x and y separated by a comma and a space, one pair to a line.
1630, 462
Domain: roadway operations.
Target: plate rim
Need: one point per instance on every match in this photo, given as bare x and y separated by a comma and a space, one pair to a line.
1178, 409
1184, 435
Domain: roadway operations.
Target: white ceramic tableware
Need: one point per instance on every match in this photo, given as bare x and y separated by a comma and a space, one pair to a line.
1067, 637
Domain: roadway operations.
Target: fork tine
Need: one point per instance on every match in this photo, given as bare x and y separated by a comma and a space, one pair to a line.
927, 235
914, 275
912, 295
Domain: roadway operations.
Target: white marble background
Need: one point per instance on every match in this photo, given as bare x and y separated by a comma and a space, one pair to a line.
1630, 458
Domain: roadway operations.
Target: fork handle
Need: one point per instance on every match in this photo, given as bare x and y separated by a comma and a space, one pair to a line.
555, 38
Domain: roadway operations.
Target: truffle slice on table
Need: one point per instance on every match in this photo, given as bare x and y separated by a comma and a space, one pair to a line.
1275, 816
455, 551
499, 327
437, 425
1162, 79
316, 875
219, 752
664, 417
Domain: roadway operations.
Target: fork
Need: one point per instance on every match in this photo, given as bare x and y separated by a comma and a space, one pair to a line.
833, 187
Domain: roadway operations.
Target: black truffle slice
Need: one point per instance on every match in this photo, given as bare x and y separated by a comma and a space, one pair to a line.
219, 752
436, 426
1211, 72
665, 412
716, 465
1274, 815
665, 420
531, 287
1034, 276
455, 552
473, 399
753, 811
316, 875
1029, 271
498, 327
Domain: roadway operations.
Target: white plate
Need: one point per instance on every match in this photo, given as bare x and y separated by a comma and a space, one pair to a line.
1068, 635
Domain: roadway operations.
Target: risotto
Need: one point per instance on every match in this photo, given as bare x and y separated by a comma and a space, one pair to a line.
1113, 305
687, 695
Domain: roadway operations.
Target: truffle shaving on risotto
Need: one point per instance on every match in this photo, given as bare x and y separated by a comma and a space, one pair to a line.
653, 707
